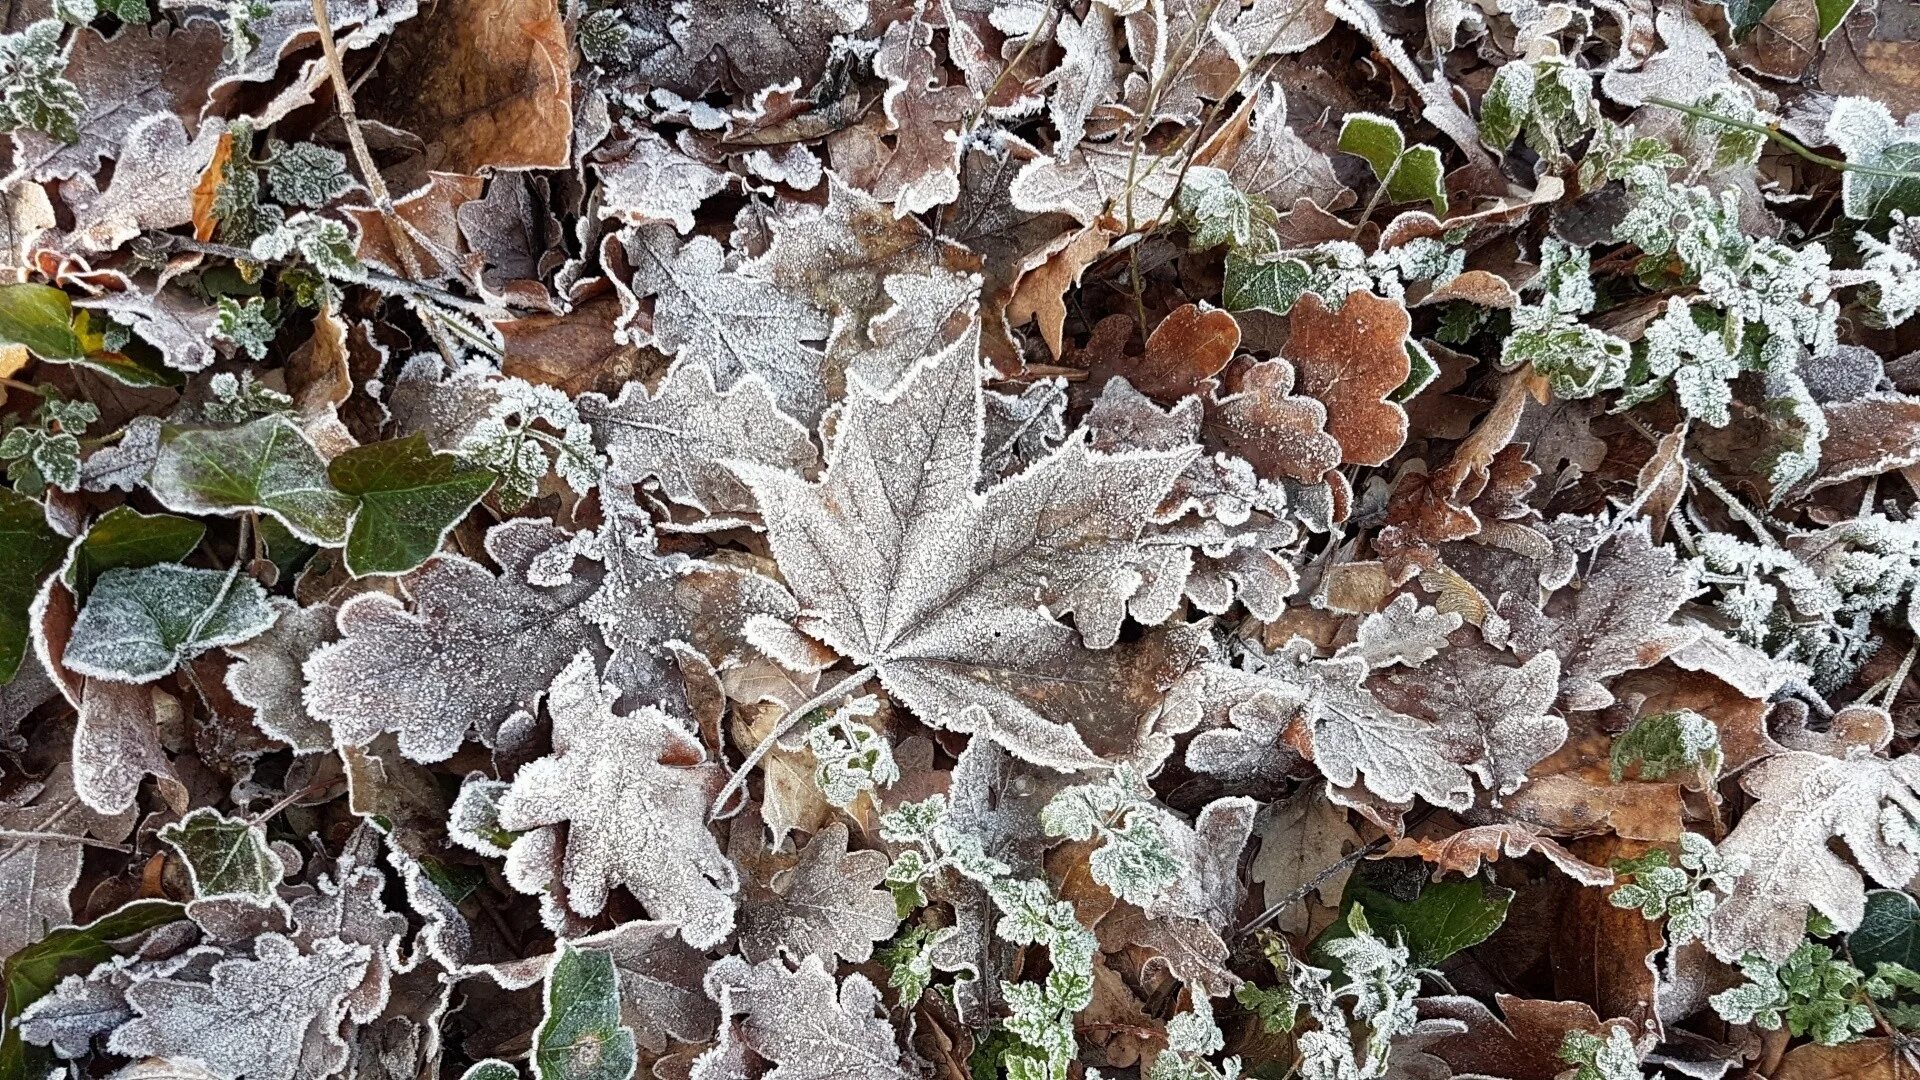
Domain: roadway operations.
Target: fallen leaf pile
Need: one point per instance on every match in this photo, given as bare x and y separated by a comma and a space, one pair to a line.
956, 539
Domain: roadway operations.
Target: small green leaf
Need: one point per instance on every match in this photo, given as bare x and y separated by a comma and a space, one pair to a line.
1375, 138
267, 465
31, 973
126, 537
1504, 108
1889, 932
491, 1069
1832, 13
1272, 284
1420, 177
1421, 371
41, 318
410, 497
140, 624
1446, 917
582, 1037
225, 856
29, 551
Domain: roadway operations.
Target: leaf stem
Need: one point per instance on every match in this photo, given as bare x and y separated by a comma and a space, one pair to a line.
1786, 141
782, 726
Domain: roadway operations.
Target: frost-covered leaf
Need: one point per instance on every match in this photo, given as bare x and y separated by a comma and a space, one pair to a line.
905, 566
38, 870
632, 792
828, 906
809, 1029
1805, 802
267, 466
582, 1037
1352, 360
683, 432
724, 319
116, 744
225, 856
1409, 174
69, 1013
306, 174
661, 993
409, 499
475, 648
276, 1016
267, 676
29, 551
653, 182
138, 625
1865, 132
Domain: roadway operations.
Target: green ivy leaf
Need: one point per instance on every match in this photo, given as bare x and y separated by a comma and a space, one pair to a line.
1446, 918
125, 537
31, 973
1832, 13
266, 465
1273, 284
225, 856
1408, 174
41, 318
582, 1037
29, 551
410, 497
1888, 933
140, 624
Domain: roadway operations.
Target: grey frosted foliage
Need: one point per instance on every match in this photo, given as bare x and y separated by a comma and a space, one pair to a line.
632, 792
830, 905
140, 624
902, 564
275, 1016
266, 674
305, 174
37, 873
267, 466
811, 1029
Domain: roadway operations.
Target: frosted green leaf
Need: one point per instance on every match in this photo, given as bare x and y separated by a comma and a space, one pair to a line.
1409, 174
124, 537
1594, 1058
1662, 744
1889, 932
249, 326
325, 245
267, 466
306, 174
1812, 993
1217, 212
225, 856
410, 498
850, 757
140, 624
29, 551
582, 1037
34, 90
1865, 132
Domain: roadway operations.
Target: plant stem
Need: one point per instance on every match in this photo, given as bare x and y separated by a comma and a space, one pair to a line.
782, 726
1785, 140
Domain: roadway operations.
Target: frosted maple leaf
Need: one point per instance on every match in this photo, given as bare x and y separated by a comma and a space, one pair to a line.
950, 593
632, 792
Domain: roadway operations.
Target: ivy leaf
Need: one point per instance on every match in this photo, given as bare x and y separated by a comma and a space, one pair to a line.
276, 1016
410, 498
582, 1037
1447, 917
829, 906
29, 551
225, 856
1408, 174
901, 564
125, 537
1889, 932
266, 465
138, 625
632, 793
1865, 131
662, 995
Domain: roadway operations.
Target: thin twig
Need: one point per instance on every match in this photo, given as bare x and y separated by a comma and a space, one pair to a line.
782, 726
1346, 861
31, 836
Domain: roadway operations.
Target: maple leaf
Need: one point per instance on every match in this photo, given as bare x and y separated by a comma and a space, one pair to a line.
828, 906
903, 565
633, 792
1805, 802
797, 1020
276, 1016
